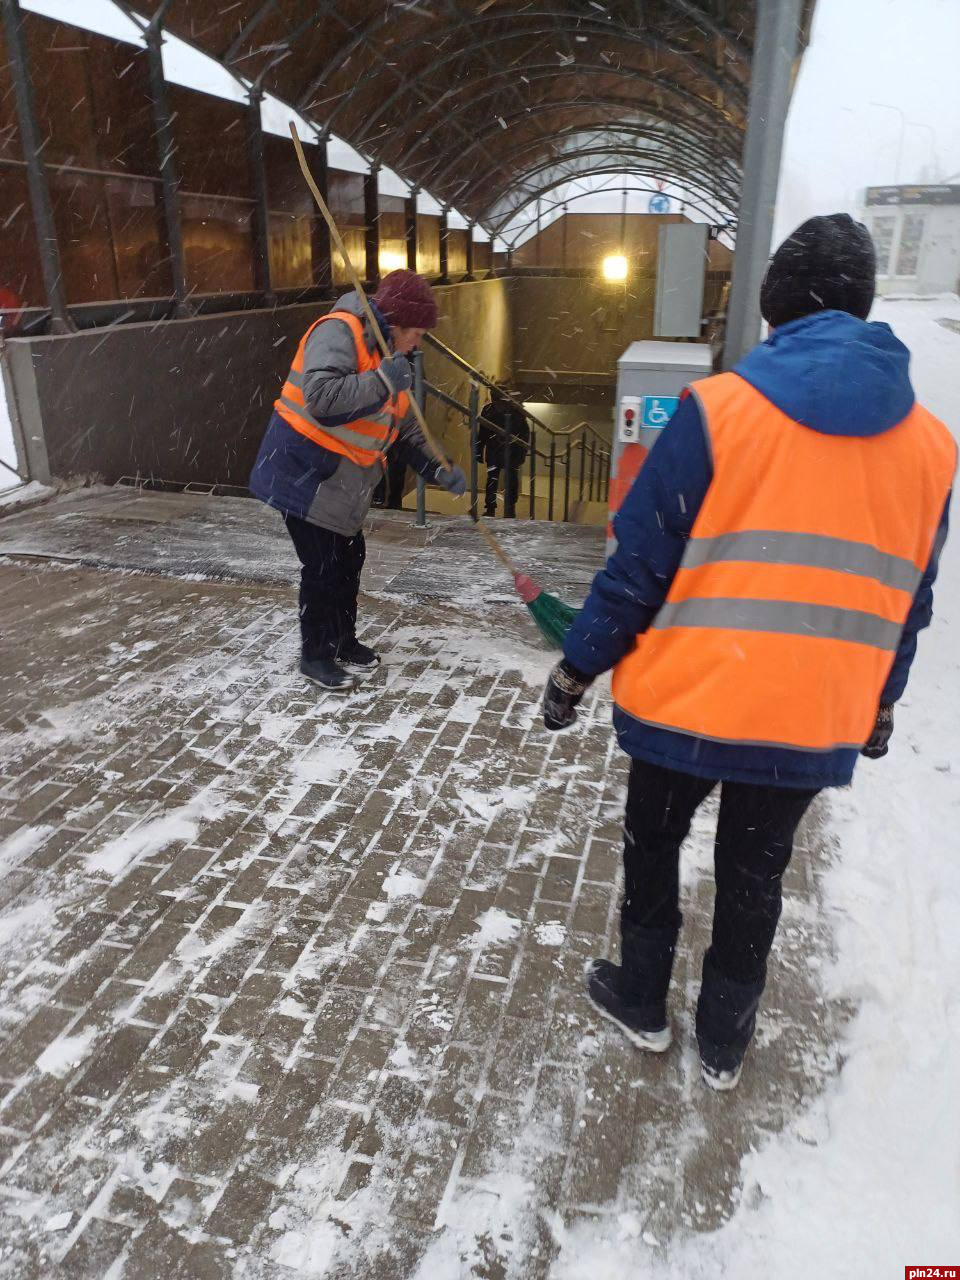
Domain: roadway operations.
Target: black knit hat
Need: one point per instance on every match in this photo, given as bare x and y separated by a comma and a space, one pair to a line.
827, 264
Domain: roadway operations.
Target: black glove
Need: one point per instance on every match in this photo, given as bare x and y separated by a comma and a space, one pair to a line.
565, 687
396, 373
454, 481
877, 745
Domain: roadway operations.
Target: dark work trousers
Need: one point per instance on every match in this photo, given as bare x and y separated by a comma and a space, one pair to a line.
511, 489
389, 492
754, 841
329, 585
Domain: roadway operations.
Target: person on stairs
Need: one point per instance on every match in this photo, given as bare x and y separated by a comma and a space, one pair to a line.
342, 409
775, 562
502, 441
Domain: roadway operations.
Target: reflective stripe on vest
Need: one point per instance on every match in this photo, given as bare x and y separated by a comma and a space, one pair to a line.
365, 440
781, 625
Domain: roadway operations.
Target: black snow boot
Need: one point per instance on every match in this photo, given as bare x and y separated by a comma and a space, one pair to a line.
726, 1018
633, 994
358, 659
327, 673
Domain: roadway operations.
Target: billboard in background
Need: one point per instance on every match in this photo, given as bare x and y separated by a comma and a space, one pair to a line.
934, 194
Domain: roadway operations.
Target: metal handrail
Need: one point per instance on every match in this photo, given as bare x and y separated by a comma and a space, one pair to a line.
491, 385
596, 483
453, 403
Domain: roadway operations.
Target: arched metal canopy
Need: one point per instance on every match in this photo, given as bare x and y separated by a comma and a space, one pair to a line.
481, 101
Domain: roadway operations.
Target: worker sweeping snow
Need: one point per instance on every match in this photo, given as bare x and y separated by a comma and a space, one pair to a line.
775, 562
341, 409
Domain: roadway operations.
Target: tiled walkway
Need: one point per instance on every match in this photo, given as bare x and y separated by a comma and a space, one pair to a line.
290, 986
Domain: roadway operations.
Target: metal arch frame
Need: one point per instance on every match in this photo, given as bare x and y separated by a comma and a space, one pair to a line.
617, 163
549, 70
622, 189
512, 244
538, 73
685, 132
717, 183
577, 18
613, 102
439, 63
710, 214
230, 55
321, 9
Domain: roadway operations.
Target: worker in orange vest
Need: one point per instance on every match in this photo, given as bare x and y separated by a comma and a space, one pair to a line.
775, 562
340, 410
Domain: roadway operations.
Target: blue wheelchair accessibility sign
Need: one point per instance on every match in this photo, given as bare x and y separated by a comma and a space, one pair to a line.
656, 411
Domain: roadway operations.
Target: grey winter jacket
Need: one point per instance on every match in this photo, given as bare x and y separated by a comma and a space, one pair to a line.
302, 478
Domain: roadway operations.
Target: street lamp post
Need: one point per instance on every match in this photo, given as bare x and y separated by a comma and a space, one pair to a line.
886, 106
915, 124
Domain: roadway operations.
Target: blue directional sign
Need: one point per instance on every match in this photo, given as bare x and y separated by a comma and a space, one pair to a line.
659, 203
656, 411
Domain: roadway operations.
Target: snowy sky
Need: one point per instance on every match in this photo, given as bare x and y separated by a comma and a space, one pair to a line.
900, 52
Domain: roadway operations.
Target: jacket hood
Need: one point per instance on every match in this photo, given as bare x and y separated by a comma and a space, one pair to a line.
832, 372
351, 302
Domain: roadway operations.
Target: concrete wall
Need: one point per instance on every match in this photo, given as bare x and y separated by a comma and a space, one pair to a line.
475, 319
567, 324
560, 417
188, 400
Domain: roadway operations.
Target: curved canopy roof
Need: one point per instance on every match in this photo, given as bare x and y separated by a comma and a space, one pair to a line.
491, 103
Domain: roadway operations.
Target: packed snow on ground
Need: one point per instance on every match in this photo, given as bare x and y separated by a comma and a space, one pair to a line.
868, 1181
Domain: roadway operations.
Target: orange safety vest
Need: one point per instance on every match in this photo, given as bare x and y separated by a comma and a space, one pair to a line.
783, 620
365, 440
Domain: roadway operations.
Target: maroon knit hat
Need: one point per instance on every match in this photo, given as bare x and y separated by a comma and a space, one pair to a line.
406, 300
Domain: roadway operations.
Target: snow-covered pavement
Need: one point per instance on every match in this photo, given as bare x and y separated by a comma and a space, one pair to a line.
290, 987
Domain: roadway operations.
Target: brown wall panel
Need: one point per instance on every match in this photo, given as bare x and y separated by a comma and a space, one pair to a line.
211, 137
345, 197
354, 243
19, 255
428, 244
291, 215
217, 244
291, 250
92, 98
457, 253
286, 190
393, 242
9, 132
143, 267
82, 219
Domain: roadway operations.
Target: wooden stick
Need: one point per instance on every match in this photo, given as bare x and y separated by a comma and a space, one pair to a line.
364, 301
495, 545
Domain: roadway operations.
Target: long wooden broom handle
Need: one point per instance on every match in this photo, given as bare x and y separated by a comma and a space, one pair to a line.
364, 301
495, 545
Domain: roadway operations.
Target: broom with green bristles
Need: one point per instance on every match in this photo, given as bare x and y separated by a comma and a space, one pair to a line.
552, 616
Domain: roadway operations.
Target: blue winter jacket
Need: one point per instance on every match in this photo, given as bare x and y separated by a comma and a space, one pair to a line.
829, 371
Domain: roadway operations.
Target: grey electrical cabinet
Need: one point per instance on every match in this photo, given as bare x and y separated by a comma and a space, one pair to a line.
650, 379
681, 268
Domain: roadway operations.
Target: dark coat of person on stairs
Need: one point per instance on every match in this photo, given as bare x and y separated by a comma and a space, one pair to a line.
502, 438
775, 563
341, 411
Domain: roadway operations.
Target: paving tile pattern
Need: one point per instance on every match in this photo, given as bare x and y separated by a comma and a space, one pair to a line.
291, 985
